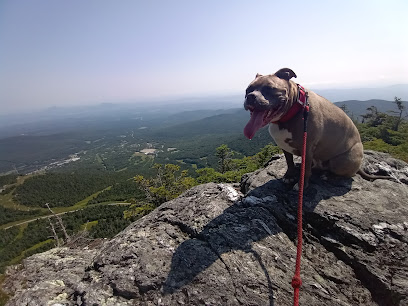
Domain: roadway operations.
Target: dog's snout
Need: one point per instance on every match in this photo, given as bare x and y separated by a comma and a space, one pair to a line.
250, 101
250, 98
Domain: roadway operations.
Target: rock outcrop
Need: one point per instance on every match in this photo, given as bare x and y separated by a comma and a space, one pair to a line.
221, 244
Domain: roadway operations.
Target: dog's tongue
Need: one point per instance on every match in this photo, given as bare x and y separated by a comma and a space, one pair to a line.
254, 124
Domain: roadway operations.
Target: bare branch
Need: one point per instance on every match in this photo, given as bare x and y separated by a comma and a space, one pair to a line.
59, 221
54, 232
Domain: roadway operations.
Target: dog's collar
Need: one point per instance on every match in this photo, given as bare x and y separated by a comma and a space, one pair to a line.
301, 103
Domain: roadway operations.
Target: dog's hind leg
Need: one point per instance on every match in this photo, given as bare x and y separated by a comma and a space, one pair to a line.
348, 163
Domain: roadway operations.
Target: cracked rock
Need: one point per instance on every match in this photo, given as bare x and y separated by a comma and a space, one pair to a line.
216, 246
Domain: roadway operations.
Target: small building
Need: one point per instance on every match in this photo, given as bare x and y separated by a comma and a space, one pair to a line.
148, 151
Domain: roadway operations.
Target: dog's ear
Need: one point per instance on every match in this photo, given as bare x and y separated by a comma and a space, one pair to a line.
258, 75
285, 73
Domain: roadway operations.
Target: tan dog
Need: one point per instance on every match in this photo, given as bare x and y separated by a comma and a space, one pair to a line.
333, 141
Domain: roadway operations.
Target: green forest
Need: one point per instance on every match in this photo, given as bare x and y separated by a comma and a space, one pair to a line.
385, 132
9, 215
61, 189
7, 179
126, 191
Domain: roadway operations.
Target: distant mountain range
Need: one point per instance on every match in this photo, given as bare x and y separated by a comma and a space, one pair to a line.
172, 112
382, 93
358, 108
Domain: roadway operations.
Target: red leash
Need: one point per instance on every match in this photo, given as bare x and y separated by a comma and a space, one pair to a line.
296, 280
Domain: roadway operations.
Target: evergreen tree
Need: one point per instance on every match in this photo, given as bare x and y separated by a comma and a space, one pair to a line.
399, 118
168, 184
224, 155
373, 117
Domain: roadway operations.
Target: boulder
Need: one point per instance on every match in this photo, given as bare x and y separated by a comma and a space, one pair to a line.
223, 244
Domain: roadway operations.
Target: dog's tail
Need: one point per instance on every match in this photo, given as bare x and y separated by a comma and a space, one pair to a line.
371, 177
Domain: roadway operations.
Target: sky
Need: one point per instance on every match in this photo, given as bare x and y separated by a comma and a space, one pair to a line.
59, 53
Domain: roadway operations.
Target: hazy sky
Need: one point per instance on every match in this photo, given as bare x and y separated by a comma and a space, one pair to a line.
83, 52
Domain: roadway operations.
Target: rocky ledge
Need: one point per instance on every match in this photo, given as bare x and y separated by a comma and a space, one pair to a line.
220, 244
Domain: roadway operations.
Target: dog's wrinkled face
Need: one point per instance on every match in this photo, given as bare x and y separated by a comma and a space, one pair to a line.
267, 98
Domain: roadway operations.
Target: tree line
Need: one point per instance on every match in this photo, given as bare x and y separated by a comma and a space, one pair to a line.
384, 132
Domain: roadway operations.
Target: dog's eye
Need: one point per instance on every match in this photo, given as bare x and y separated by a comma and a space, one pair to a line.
267, 91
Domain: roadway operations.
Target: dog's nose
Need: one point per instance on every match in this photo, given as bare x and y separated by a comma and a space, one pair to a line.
250, 98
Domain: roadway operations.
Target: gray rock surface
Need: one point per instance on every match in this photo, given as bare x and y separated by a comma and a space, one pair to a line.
220, 244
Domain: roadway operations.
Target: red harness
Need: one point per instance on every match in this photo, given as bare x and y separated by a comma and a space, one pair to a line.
301, 103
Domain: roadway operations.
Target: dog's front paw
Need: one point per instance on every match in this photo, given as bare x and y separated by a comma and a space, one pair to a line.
291, 176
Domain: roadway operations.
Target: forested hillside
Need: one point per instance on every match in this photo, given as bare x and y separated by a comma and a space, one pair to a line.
8, 215
7, 179
61, 189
